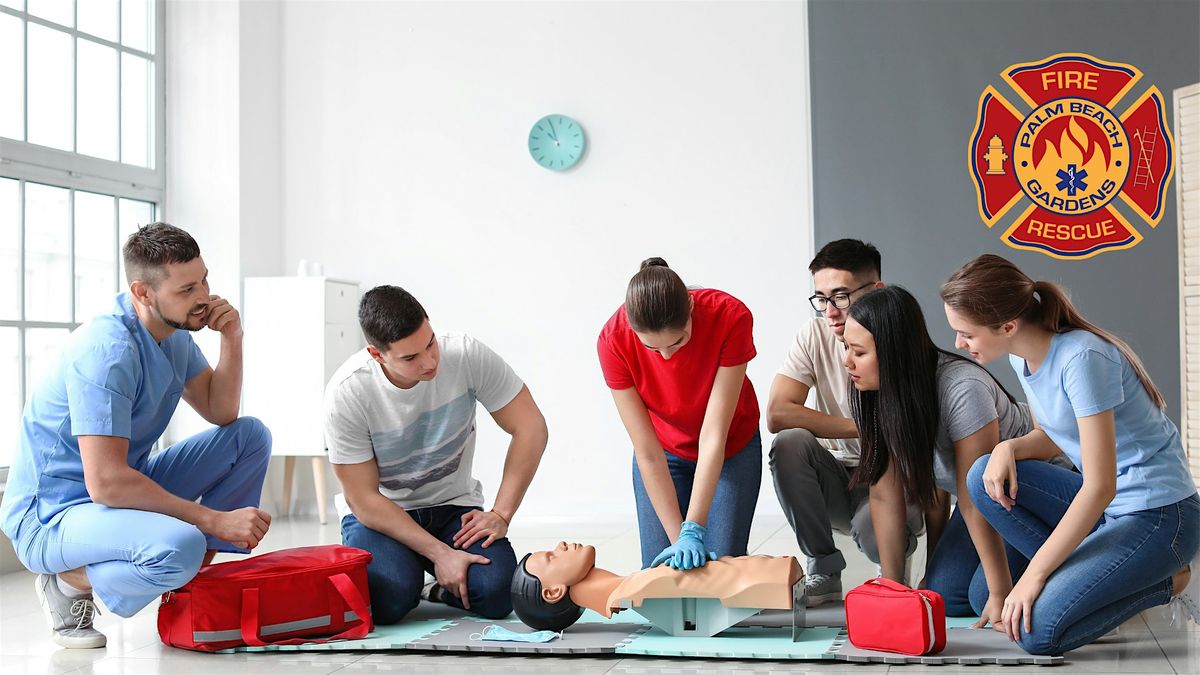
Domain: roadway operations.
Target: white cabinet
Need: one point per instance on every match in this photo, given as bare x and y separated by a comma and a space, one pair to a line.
298, 331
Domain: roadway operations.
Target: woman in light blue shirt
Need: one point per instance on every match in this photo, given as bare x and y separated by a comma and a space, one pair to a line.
1103, 544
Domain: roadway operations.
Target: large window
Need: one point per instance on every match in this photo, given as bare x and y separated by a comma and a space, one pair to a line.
81, 154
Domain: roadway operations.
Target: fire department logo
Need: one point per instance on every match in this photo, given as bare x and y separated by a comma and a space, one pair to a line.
1068, 160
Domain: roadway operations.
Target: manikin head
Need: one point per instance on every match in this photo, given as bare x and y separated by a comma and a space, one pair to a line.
541, 586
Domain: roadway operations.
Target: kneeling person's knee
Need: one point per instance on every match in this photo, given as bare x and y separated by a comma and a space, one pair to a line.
793, 447
254, 435
1039, 642
175, 557
490, 587
975, 477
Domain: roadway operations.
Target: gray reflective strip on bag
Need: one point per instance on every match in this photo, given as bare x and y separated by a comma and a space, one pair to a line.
272, 629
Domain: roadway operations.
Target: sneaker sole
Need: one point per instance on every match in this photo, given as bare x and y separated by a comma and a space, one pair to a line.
79, 642
818, 600
99, 640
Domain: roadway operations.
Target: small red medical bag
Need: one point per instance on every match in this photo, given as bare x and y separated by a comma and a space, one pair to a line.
890, 617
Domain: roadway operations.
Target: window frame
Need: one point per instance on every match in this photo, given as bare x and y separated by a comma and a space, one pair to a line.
62, 168
28, 162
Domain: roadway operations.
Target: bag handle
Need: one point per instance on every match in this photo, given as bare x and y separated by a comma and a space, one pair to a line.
345, 588
889, 584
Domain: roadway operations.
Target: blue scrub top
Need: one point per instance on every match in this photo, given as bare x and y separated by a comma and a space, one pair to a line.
112, 379
1083, 375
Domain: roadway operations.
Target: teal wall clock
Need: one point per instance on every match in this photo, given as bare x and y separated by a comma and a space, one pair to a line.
556, 142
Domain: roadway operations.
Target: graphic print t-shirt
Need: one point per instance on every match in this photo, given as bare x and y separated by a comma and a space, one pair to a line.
422, 438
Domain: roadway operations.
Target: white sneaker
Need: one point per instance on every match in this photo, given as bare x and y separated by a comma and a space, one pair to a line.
432, 592
1186, 605
822, 588
70, 619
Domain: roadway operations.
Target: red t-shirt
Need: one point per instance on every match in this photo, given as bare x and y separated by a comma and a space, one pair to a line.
676, 390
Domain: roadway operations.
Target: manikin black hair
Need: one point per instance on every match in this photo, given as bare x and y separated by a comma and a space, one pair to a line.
533, 610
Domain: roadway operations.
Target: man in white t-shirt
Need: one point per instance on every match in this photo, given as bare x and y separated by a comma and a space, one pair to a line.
400, 428
816, 448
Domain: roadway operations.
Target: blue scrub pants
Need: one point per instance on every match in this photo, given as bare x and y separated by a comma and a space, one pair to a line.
133, 556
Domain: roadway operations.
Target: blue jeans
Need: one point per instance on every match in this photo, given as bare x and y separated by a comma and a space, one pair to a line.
955, 572
134, 556
1122, 567
732, 506
397, 573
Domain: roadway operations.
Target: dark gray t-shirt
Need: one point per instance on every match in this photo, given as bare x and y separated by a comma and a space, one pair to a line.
969, 399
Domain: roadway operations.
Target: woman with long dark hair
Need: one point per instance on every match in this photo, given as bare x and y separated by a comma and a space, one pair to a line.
1103, 544
925, 415
675, 359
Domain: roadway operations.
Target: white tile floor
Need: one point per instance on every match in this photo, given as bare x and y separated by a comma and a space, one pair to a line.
1146, 644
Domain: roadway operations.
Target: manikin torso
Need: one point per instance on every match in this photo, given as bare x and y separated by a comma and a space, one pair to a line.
761, 582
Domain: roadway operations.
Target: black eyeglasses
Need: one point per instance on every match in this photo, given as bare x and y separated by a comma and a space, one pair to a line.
840, 300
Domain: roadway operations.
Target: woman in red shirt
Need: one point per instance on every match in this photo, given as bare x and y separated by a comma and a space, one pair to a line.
676, 362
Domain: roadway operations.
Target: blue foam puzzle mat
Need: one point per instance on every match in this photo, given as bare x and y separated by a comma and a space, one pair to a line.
627, 633
624, 616
964, 646
396, 636
738, 643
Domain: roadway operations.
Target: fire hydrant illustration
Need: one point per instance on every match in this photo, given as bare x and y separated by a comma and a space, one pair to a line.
995, 157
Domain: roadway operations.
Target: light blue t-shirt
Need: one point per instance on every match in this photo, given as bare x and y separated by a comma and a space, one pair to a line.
1084, 375
112, 379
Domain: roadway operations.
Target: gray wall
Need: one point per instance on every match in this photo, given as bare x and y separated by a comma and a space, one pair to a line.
895, 88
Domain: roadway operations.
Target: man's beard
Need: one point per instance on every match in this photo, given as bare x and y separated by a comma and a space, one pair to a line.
177, 325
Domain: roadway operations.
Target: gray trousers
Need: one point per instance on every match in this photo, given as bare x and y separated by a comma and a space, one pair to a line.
814, 490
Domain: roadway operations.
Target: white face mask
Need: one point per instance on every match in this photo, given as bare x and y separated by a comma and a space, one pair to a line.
500, 633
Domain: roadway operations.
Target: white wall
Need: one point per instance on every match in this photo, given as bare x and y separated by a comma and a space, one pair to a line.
260, 90
403, 161
223, 154
202, 152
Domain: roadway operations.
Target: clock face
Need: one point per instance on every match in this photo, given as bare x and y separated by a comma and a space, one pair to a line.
556, 142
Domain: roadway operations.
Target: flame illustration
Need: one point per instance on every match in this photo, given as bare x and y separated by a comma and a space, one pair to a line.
1072, 142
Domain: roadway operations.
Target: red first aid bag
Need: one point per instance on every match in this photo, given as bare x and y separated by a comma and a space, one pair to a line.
284, 597
890, 617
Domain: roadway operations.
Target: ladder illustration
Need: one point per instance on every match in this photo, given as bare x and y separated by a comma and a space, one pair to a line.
1142, 177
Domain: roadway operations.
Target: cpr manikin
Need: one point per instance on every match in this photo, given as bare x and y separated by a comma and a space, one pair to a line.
550, 589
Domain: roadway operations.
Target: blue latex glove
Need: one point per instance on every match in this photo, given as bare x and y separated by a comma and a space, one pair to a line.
688, 551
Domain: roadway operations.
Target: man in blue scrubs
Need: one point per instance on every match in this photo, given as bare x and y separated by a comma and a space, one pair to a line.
87, 507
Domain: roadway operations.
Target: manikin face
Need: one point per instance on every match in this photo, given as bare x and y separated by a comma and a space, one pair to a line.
413, 359
829, 282
667, 342
561, 568
982, 343
861, 358
181, 300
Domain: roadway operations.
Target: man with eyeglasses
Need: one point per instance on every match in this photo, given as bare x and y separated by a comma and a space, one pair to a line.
816, 446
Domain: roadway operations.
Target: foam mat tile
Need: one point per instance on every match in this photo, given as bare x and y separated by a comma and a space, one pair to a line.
582, 638
738, 643
396, 636
964, 646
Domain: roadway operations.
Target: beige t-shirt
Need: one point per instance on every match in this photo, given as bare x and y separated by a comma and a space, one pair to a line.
815, 359
758, 581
